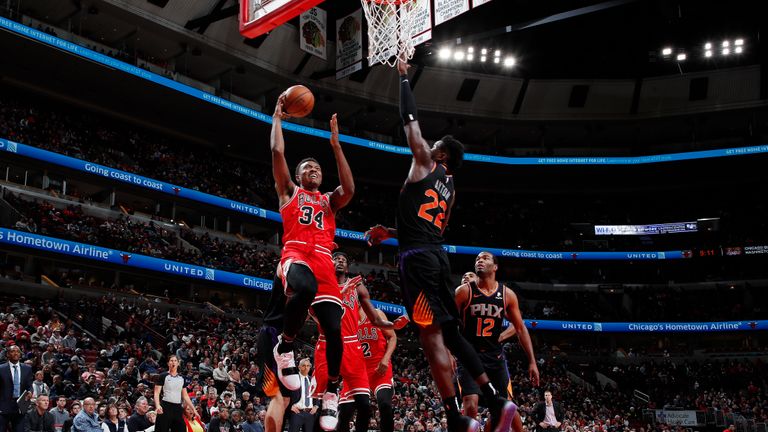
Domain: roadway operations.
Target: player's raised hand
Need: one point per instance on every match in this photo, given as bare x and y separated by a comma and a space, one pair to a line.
377, 234
401, 322
334, 131
402, 67
279, 108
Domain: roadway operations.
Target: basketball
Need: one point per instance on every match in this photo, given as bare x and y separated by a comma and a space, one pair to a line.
299, 101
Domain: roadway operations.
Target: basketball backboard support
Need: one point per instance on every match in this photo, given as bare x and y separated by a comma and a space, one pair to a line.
260, 16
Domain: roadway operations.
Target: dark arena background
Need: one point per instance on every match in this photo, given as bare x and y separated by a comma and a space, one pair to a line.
615, 165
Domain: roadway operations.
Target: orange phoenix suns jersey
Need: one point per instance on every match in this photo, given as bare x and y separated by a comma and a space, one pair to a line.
308, 218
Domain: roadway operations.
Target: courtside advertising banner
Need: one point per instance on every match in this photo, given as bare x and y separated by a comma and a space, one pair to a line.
349, 44
27, 240
313, 32
677, 418
422, 22
449, 9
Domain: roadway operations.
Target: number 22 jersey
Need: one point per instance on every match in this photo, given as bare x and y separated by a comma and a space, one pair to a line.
422, 208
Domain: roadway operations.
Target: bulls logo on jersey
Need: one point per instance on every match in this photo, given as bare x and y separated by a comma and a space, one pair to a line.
314, 199
368, 333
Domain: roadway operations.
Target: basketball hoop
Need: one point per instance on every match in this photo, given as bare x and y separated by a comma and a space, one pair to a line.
390, 23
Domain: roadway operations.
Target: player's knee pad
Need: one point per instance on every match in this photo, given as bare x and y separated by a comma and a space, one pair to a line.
302, 283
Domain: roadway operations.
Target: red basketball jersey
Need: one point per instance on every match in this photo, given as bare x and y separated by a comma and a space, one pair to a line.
351, 306
373, 342
308, 218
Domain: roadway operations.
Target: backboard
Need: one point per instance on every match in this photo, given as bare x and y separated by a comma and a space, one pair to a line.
260, 16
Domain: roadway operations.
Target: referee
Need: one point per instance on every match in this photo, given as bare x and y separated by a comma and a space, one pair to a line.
170, 411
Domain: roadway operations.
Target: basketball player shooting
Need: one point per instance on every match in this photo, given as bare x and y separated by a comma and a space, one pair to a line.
309, 278
423, 211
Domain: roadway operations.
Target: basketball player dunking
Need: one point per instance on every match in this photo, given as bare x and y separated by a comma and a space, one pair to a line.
423, 210
309, 227
484, 303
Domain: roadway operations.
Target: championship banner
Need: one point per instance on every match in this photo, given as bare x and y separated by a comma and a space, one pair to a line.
448, 9
349, 44
313, 31
422, 25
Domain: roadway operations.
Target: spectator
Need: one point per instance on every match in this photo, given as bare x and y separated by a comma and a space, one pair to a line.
60, 413
39, 419
221, 377
114, 372
103, 362
237, 420
205, 368
192, 420
59, 388
138, 421
220, 422
70, 341
74, 410
252, 422
89, 389
56, 340
112, 421
548, 414
87, 420
39, 387
78, 357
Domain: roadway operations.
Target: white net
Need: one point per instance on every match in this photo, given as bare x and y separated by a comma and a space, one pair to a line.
390, 24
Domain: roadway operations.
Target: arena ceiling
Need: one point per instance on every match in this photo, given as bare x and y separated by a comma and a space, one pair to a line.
552, 39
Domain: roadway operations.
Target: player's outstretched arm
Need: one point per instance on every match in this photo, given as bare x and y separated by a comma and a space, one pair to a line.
512, 312
422, 157
379, 233
282, 175
377, 319
343, 194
